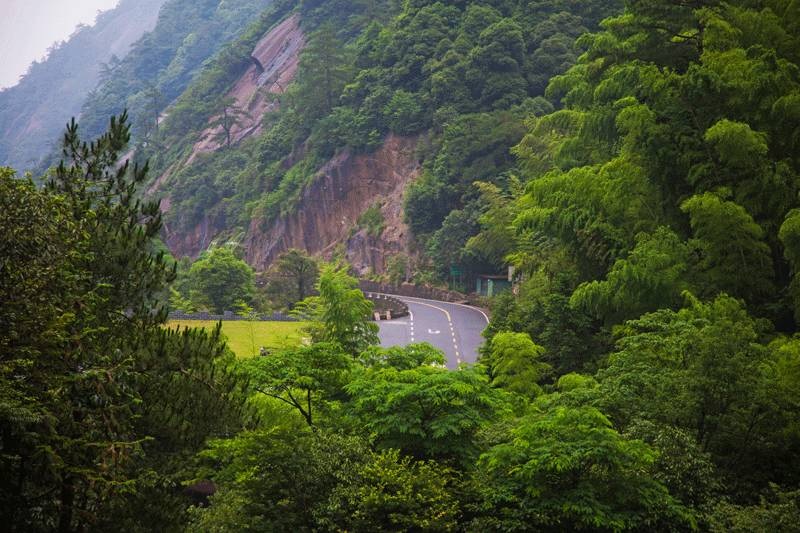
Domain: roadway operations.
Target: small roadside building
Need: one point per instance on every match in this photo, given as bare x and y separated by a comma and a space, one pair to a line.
491, 285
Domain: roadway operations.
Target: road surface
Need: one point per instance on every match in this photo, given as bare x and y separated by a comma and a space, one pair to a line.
453, 328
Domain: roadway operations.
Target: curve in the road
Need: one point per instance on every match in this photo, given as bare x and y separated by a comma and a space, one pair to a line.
449, 325
453, 328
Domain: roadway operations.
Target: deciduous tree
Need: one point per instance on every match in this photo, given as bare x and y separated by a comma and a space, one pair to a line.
220, 280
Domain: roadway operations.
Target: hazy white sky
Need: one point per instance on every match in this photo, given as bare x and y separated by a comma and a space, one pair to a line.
29, 27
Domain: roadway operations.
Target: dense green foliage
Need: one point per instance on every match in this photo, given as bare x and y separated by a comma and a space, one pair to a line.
654, 244
220, 281
340, 313
462, 78
291, 279
161, 65
101, 408
649, 208
567, 467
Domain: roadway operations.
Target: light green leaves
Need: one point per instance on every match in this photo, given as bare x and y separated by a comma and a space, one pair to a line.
427, 412
514, 363
736, 144
340, 314
735, 258
300, 377
566, 467
652, 276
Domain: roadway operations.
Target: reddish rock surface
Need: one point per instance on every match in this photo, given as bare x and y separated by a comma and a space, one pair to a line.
327, 213
330, 207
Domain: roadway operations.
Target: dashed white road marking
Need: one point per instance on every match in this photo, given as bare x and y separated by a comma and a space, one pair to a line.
421, 301
436, 332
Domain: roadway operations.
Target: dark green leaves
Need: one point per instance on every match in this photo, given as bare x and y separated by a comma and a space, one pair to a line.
220, 281
567, 468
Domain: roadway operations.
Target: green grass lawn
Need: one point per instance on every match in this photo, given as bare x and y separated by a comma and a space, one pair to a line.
241, 338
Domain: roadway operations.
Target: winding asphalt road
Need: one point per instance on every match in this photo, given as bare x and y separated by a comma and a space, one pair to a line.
453, 328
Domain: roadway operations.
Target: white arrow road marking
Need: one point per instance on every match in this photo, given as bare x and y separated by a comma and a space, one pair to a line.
449, 321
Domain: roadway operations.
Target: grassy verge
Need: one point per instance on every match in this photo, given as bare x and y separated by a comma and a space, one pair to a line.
246, 338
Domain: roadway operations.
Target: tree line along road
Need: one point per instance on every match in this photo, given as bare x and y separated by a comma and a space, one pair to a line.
453, 328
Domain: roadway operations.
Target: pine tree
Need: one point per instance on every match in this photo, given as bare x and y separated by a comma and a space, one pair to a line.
228, 118
97, 398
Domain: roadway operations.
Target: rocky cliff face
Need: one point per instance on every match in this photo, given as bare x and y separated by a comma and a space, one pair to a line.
342, 190
328, 211
274, 64
275, 59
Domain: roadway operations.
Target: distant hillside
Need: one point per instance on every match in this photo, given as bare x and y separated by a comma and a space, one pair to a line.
33, 113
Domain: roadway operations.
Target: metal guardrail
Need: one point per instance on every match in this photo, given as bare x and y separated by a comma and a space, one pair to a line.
414, 291
388, 306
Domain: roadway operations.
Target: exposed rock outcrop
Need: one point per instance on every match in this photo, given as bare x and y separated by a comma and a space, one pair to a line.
275, 59
329, 208
328, 211
274, 64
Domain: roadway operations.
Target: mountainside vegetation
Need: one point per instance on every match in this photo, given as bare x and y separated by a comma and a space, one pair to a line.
138, 57
463, 77
163, 63
637, 165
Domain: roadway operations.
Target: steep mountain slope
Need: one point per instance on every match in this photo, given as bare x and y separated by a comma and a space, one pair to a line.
274, 59
425, 90
328, 211
248, 109
33, 112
